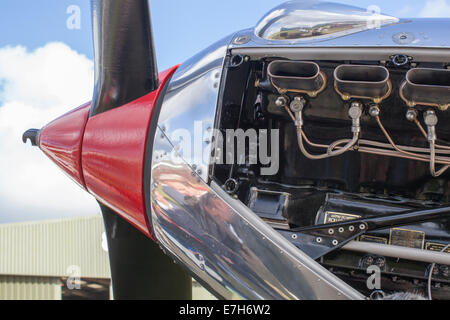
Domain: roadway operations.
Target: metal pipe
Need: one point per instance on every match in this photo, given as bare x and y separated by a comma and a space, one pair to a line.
431, 138
431, 120
434, 173
396, 154
355, 114
376, 149
335, 153
394, 145
406, 148
425, 134
372, 144
430, 276
399, 252
405, 152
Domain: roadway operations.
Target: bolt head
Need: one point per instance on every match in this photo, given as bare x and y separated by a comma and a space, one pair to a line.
281, 102
411, 115
374, 111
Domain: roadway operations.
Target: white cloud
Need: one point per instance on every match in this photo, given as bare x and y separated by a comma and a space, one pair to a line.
436, 9
37, 87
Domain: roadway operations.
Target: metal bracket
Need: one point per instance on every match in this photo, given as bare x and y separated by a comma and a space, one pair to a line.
321, 240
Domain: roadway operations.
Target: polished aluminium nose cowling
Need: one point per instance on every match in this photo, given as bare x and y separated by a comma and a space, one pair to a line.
297, 76
362, 82
427, 87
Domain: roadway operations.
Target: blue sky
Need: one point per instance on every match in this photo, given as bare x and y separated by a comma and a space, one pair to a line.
181, 27
46, 69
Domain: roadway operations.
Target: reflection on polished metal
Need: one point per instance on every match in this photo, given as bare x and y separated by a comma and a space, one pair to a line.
282, 27
192, 97
296, 20
374, 53
232, 251
427, 87
362, 82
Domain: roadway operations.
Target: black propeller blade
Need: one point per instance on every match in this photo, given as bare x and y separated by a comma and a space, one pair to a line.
125, 70
125, 63
139, 269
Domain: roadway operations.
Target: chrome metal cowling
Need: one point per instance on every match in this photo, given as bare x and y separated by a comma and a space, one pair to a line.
225, 245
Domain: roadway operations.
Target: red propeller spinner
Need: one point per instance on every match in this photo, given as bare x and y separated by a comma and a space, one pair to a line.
103, 147
102, 144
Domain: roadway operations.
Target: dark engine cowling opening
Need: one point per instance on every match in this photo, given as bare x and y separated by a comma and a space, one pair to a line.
306, 192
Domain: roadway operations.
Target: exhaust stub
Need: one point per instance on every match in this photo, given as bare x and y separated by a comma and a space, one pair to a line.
297, 76
362, 82
427, 87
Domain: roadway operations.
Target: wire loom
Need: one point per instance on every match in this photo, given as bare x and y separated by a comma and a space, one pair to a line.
433, 155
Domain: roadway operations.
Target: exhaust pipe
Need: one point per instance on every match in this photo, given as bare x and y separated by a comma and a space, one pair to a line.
362, 82
427, 87
297, 76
